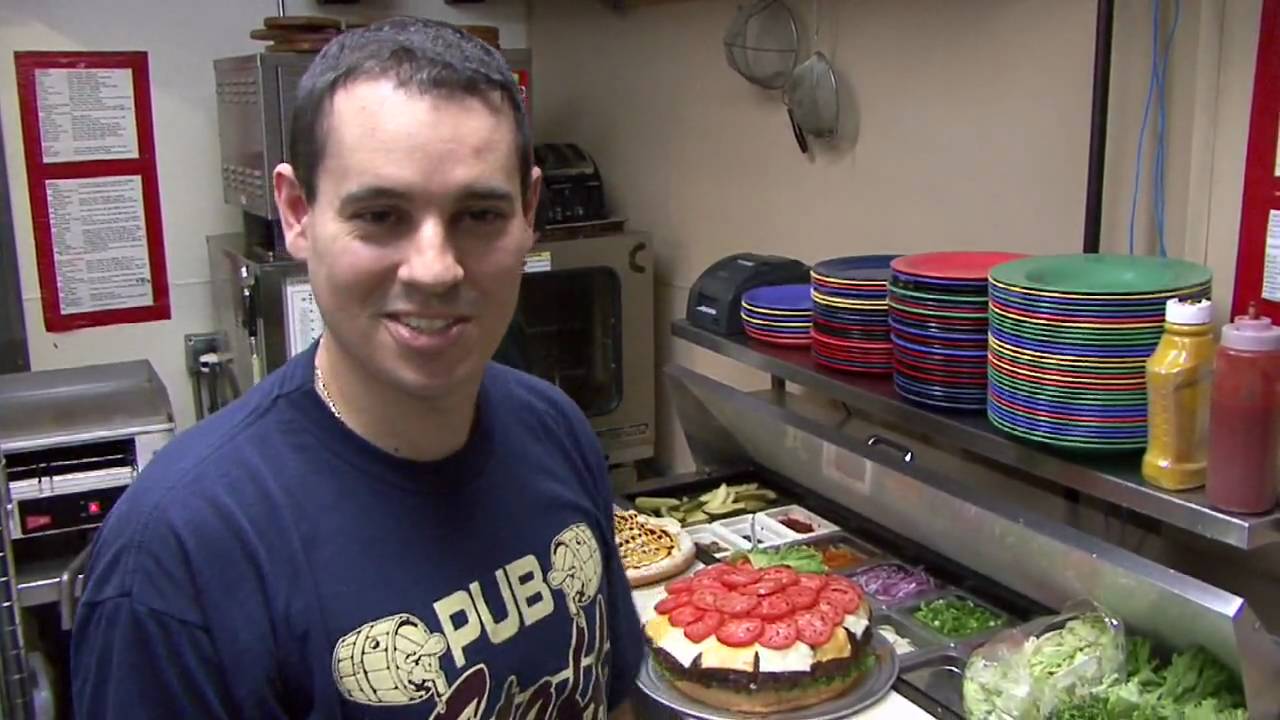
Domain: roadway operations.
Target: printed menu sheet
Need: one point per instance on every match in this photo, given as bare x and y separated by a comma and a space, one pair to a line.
99, 243
86, 114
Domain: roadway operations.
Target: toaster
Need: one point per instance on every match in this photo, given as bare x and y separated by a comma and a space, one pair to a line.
572, 190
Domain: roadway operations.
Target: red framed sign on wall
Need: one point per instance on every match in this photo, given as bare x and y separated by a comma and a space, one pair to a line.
90, 155
1258, 262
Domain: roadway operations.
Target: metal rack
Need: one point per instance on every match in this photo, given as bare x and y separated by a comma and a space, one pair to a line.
952, 486
1115, 480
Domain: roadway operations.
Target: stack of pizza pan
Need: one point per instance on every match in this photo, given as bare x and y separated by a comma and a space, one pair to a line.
851, 314
778, 315
1069, 339
938, 316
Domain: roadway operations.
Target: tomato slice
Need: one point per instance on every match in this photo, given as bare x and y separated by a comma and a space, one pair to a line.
714, 571
812, 628
734, 604
830, 611
708, 583
783, 575
779, 634
740, 632
801, 597
772, 607
670, 603
704, 628
845, 597
683, 585
842, 581
738, 578
685, 615
764, 587
811, 581
705, 598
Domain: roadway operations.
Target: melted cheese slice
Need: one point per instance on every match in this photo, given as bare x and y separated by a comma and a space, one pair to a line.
797, 658
716, 655
671, 639
858, 622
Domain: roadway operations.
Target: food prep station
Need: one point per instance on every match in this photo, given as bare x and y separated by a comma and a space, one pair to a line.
941, 526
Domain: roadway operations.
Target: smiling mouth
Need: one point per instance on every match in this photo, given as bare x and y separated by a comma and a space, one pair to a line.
427, 326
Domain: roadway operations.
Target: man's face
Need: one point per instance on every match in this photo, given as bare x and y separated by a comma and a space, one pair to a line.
416, 239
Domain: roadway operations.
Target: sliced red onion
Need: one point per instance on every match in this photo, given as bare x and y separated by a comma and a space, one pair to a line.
893, 582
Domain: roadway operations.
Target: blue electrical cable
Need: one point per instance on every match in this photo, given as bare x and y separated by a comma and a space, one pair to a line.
1146, 117
1161, 140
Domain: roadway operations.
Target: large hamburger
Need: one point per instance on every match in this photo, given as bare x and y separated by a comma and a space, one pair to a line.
753, 640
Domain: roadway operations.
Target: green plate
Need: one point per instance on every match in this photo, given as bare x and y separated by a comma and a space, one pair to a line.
1069, 368
1063, 395
1086, 274
1095, 445
1081, 336
938, 313
938, 297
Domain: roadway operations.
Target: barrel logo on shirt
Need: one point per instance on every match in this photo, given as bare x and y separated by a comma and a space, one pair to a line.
400, 660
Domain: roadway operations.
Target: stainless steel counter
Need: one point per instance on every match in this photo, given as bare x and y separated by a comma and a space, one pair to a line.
1114, 479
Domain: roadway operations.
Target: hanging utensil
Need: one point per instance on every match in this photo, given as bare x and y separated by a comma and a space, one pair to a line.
811, 94
762, 43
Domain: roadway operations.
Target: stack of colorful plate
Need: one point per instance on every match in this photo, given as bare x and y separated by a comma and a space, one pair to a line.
1070, 337
851, 314
778, 315
938, 315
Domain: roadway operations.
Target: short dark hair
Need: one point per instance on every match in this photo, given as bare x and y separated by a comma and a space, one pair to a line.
425, 56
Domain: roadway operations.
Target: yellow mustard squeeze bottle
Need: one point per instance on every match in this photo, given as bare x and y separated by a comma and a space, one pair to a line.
1179, 375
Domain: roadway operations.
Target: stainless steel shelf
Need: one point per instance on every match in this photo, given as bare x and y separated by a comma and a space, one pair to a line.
1114, 478
38, 581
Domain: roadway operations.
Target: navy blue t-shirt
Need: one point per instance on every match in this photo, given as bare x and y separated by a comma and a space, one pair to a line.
270, 563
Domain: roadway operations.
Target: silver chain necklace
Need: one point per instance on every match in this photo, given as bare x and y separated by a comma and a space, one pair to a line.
323, 391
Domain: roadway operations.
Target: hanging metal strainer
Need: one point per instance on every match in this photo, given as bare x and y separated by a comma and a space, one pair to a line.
762, 43
813, 98
811, 94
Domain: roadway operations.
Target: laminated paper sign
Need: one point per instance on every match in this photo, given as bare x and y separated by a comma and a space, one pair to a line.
1258, 261
91, 177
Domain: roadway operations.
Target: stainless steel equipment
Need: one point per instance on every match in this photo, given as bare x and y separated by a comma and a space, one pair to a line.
584, 322
990, 505
255, 95
71, 442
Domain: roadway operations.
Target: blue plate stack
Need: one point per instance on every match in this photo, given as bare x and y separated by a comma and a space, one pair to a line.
778, 315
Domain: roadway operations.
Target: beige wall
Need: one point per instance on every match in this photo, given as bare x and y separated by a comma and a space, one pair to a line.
966, 127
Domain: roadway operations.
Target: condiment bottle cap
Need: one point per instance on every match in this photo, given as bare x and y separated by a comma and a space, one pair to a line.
1188, 312
1251, 332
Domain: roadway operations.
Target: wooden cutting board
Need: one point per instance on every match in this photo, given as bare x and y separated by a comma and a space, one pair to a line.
302, 22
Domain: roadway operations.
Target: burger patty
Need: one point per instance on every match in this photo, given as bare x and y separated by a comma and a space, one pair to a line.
756, 681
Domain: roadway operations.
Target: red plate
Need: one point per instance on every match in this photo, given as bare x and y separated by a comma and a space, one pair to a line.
849, 369
960, 324
1059, 379
1093, 320
856, 344
932, 367
959, 265
947, 381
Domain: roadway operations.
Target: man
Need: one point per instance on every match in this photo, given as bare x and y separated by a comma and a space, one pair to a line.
390, 526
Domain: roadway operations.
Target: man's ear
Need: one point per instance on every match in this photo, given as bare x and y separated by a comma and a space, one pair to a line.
531, 197
294, 210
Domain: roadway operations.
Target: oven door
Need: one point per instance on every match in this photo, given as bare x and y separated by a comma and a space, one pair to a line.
585, 324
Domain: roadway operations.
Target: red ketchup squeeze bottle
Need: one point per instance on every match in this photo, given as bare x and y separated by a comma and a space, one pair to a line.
1244, 417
